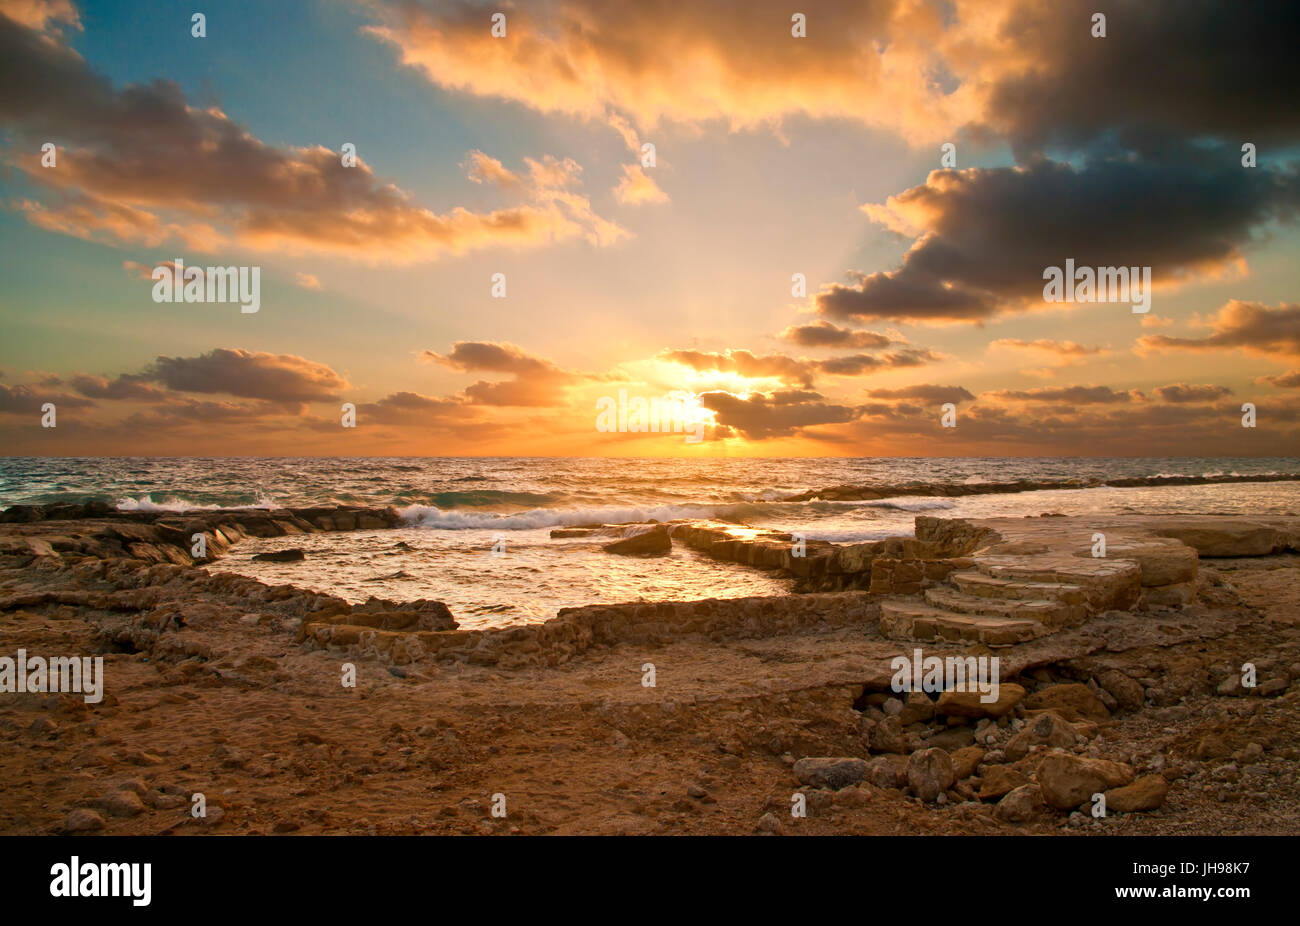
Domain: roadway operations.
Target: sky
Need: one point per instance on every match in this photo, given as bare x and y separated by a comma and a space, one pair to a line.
836, 246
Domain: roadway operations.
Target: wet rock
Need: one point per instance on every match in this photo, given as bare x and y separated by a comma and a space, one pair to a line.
291, 555
930, 773
654, 542
1068, 781
828, 772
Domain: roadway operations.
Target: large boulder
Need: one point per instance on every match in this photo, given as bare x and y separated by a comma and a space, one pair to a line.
1047, 729
1229, 536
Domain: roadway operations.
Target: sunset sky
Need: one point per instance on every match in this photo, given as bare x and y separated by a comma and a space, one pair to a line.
774, 155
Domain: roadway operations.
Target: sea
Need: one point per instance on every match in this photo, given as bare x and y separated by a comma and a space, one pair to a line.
476, 531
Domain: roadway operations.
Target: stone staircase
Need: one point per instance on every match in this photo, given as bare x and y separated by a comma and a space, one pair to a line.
1012, 598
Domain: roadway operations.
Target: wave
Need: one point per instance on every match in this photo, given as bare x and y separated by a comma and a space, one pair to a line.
483, 498
173, 503
432, 517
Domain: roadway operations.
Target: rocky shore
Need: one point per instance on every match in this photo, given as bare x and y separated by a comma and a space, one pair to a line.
1120, 675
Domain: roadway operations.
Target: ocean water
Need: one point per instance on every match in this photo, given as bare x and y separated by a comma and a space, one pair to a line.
456, 510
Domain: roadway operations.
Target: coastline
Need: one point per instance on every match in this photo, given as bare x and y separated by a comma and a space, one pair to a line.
221, 685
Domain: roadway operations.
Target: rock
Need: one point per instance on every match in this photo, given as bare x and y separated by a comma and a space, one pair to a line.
292, 555
122, 803
1147, 793
1129, 694
82, 820
1072, 701
966, 760
769, 823
930, 773
1001, 779
827, 772
1224, 536
654, 542
952, 739
918, 708
1046, 729
1068, 781
888, 736
969, 703
1020, 805
1230, 687
887, 771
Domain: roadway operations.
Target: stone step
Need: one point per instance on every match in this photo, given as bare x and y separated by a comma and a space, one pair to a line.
912, 620
981, 585
1105, 583
1047, 611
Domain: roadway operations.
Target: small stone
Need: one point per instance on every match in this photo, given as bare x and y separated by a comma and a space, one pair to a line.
930, 773
829, 772
122, 803
1020, 805
769, 823
82, 820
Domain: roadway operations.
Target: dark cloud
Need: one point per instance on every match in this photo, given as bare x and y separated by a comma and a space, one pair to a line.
1167, 69
781, 414
985, 235
248, 374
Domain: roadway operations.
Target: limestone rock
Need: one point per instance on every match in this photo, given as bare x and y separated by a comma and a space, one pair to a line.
1020, 805
1068, 781
966, 760
930, 773
654, 542
887, 736
1129, 694
887, 771
829, 772
1047, 729
969, 703
82, 820
1072, 701
122, 803
1147, 793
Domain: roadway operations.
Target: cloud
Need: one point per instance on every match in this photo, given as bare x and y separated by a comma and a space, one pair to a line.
248, 374
928, 393
1181, 392
142, 165
637, 187
1247, 326
306, 281
1288, 380
644, 64
983, 236
1046, 345
1075, 395
796, 371
778, 414
537, 382
25, 400
824, 334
